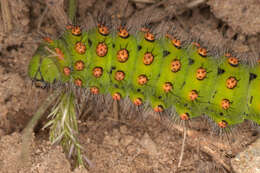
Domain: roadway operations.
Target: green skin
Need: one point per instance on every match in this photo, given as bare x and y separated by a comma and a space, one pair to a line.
244, 98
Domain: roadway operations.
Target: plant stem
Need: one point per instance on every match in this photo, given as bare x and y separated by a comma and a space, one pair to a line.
72, 10
27, 132
6, 15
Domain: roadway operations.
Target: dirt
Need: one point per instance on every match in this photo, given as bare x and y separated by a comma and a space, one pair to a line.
134, 142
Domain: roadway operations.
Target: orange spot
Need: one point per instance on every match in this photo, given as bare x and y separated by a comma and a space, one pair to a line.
97, 72
225, 104
116, 96
66, 71
176, 43
231, 82
193, 95
79, 65
122, 55
202, 52
138, 101
48, 39
222, 124
122, 32
101, 49
75, 30
94, 90
80, 47
78, 82
119, 75
185, 116
59, 53
158, 108
233, 61
167, 87
175, 65
201, 73
103, 30
148, 58
142, 79
149, 36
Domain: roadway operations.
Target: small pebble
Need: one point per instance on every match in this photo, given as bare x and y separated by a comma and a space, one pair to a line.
148, 144
126, 140
248, 161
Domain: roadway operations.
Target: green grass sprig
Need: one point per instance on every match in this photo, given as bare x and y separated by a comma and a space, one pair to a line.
64, 126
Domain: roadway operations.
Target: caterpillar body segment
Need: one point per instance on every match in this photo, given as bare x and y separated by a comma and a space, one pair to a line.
123, 62
173, 73
100, 55
77, 45
160, 72
147, 69
199, 82
230, 93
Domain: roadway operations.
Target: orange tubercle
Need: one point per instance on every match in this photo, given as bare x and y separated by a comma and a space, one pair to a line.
201, 73
101, 49
103, 30
222, 124
122, 55
59, 53
148, 58
119, 76
225, 104
79, 65
97, 72
78, 82
75, 30
175, 65
185, 116
176, 43
233, 61
80, 48
193, 95
116, 96
122, 32
142, 79
66, 71
167, 87
48, 39
202, 51
94, 90
231, 82
138, 101
149, 36
158, 108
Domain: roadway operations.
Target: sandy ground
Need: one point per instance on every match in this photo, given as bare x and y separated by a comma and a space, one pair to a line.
132, 143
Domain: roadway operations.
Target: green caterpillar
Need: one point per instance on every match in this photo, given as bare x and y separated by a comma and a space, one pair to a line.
159, 71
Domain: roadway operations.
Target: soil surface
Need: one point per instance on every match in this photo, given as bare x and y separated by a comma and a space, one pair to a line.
133, 142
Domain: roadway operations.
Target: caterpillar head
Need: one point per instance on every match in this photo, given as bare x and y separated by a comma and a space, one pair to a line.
43, 70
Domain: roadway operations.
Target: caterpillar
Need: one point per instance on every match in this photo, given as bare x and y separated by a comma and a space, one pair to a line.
159, 71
